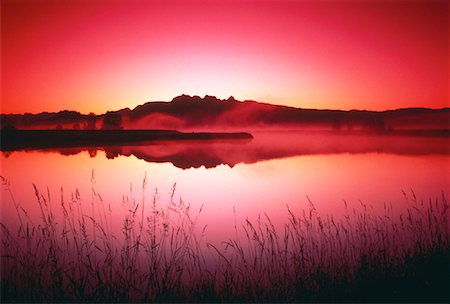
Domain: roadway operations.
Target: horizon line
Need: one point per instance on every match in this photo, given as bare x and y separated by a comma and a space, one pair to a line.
229, 99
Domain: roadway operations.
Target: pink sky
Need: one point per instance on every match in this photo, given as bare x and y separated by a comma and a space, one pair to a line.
106, 55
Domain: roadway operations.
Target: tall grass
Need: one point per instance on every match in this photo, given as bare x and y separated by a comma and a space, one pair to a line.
160, 255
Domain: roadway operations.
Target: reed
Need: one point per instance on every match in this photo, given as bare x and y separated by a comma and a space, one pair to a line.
160, 255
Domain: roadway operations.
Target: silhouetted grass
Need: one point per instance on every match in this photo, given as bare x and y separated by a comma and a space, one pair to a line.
159, 256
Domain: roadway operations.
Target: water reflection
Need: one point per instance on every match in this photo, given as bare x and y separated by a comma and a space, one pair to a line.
267, 146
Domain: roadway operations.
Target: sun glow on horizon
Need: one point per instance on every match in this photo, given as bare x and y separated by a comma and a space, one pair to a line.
99, 56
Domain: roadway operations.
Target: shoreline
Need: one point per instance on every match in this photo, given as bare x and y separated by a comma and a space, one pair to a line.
23, 139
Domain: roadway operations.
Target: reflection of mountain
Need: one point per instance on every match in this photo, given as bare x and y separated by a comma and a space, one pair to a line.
186, 113
266, 146
188, 155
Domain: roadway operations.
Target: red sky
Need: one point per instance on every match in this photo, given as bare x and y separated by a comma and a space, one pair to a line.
106, 55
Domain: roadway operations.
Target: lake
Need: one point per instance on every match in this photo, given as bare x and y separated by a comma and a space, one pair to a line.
285, 216
231, 180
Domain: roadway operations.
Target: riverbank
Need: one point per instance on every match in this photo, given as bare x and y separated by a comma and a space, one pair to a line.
40, 139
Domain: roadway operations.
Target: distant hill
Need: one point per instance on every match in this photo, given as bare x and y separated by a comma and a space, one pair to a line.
186, 113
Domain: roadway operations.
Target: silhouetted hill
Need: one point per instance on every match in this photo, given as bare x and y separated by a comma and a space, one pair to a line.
188, 113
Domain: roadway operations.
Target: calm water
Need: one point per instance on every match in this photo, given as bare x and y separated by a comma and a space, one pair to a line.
267, 174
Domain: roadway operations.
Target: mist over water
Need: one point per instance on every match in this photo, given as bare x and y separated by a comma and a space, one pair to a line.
224, 151
266, 174
305, 209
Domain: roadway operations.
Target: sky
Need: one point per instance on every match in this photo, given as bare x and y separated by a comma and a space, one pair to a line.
95, 56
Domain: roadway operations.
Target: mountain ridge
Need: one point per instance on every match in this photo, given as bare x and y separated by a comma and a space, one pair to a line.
188, 113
